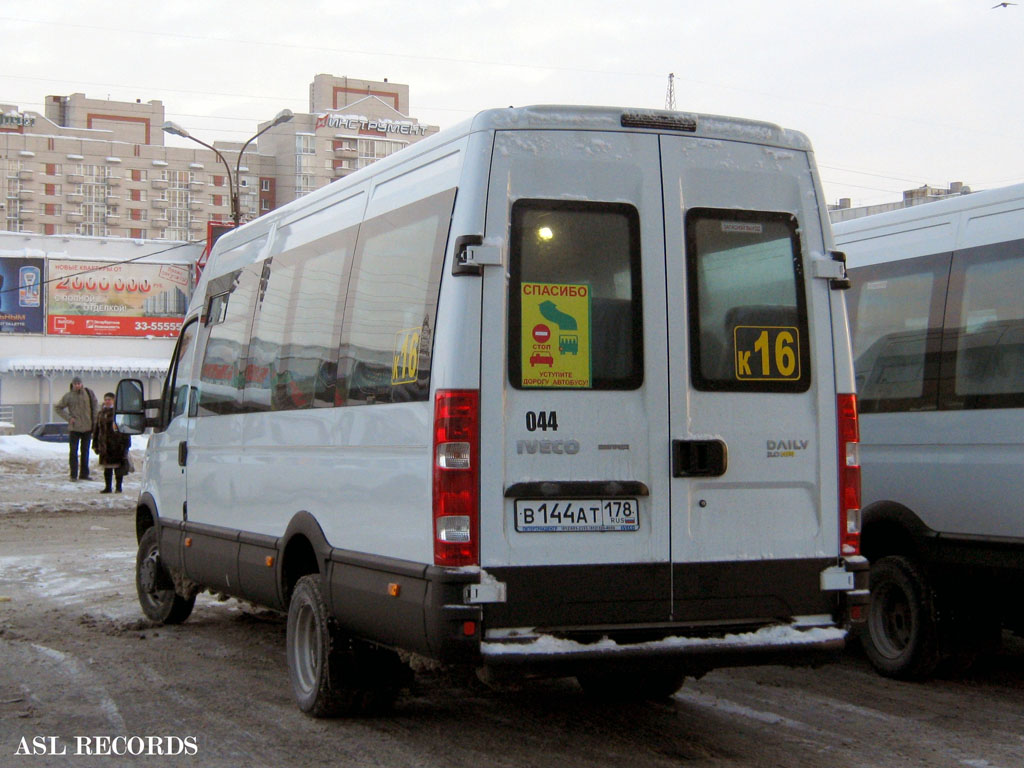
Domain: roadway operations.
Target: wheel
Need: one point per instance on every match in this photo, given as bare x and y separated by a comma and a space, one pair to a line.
900, 636
156, 592
331, 674
631, 684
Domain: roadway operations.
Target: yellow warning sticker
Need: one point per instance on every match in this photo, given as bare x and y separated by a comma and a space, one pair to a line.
555, 335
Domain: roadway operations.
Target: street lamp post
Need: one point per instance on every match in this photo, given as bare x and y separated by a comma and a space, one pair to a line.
234, 183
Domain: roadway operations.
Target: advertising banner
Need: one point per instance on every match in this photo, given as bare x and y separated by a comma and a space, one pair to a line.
21, 299
94, 298
556, 335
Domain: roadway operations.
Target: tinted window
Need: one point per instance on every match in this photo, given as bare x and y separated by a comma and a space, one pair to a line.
222, 374
574, 296
984, 346
388, 329
181, 371
293, 355
748, 316
896, 316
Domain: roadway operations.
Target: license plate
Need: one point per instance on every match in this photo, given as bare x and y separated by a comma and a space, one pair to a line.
577, 515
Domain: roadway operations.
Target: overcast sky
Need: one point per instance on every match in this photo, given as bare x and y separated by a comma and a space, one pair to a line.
893, 94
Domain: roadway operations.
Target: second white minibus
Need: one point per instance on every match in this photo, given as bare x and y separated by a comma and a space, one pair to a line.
937, 310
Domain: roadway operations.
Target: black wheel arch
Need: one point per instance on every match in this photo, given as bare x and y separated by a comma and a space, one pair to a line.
890, 528
145, 515
304, 550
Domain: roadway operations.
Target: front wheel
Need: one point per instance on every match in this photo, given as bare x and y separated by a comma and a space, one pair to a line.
900, 636
332, 674
157, 596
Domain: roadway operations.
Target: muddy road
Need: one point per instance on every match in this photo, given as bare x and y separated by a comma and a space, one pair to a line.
82, 672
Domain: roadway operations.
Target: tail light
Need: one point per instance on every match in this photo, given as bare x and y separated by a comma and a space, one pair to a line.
849, 475
456, 477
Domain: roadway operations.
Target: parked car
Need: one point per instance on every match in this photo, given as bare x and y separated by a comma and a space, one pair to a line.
51, 432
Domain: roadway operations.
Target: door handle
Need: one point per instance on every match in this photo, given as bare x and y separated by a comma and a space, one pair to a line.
182, 453
699, 458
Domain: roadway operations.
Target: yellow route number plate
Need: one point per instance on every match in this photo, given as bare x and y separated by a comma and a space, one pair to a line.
767, 353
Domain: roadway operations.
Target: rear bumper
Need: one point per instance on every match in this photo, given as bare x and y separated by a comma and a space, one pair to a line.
788, 645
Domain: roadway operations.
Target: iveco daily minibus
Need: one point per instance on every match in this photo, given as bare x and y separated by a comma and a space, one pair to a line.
938, 316
561, 391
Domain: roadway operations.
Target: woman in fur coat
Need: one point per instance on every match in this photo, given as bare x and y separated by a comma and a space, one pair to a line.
110, 445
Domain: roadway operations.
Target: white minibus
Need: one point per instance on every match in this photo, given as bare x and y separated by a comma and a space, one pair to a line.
937, 311
559, 391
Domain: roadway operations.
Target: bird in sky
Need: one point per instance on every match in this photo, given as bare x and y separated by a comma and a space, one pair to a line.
1001, 5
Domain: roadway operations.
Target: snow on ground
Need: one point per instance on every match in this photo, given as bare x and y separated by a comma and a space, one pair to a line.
34, 476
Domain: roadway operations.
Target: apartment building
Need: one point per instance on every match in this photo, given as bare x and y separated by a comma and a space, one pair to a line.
101, 168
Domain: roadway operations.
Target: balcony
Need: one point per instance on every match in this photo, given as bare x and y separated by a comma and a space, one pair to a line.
197, 205
114, 181
160, 204
195, 186
26, 194
74, 218
113, 218
158, 183
74, 178
25, 214
26, 174
75, 197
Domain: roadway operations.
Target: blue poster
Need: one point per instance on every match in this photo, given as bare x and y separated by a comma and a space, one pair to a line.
21, 295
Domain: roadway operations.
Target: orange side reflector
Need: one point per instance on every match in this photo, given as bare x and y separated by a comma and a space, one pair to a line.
270, 561
188, 541
394, 590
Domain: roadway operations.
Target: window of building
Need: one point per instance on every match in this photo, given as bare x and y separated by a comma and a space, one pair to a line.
218, 200
52, 209
138, 234
137, 195
305, 144
52, 190
53, 169
264, 185
218, 181
138, 174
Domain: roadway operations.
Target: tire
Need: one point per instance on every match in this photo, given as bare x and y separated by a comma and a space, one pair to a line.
153, 584
900, 636
332, 675
631, 684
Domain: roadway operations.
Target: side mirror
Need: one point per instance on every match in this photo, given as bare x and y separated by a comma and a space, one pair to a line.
130, 407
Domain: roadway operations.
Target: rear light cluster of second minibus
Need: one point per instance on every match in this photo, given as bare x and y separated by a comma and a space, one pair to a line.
849, 475
456, 477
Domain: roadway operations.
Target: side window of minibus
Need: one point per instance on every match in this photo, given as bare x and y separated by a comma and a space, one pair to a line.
181, 374
984, 336
748, 311
896, 310
293, 354
228, 321
387, 333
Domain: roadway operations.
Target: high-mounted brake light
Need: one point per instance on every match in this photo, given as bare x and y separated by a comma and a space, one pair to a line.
456, 477
849, 475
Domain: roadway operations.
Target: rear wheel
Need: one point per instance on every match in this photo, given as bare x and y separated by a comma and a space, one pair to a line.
159, 601
631, 684
331, 674
900, 636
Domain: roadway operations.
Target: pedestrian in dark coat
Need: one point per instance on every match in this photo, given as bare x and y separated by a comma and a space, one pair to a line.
110, 445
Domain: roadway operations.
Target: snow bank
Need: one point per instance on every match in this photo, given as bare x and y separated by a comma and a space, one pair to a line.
26, 447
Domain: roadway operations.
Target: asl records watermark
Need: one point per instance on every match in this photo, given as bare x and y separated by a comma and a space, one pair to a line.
108, 746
